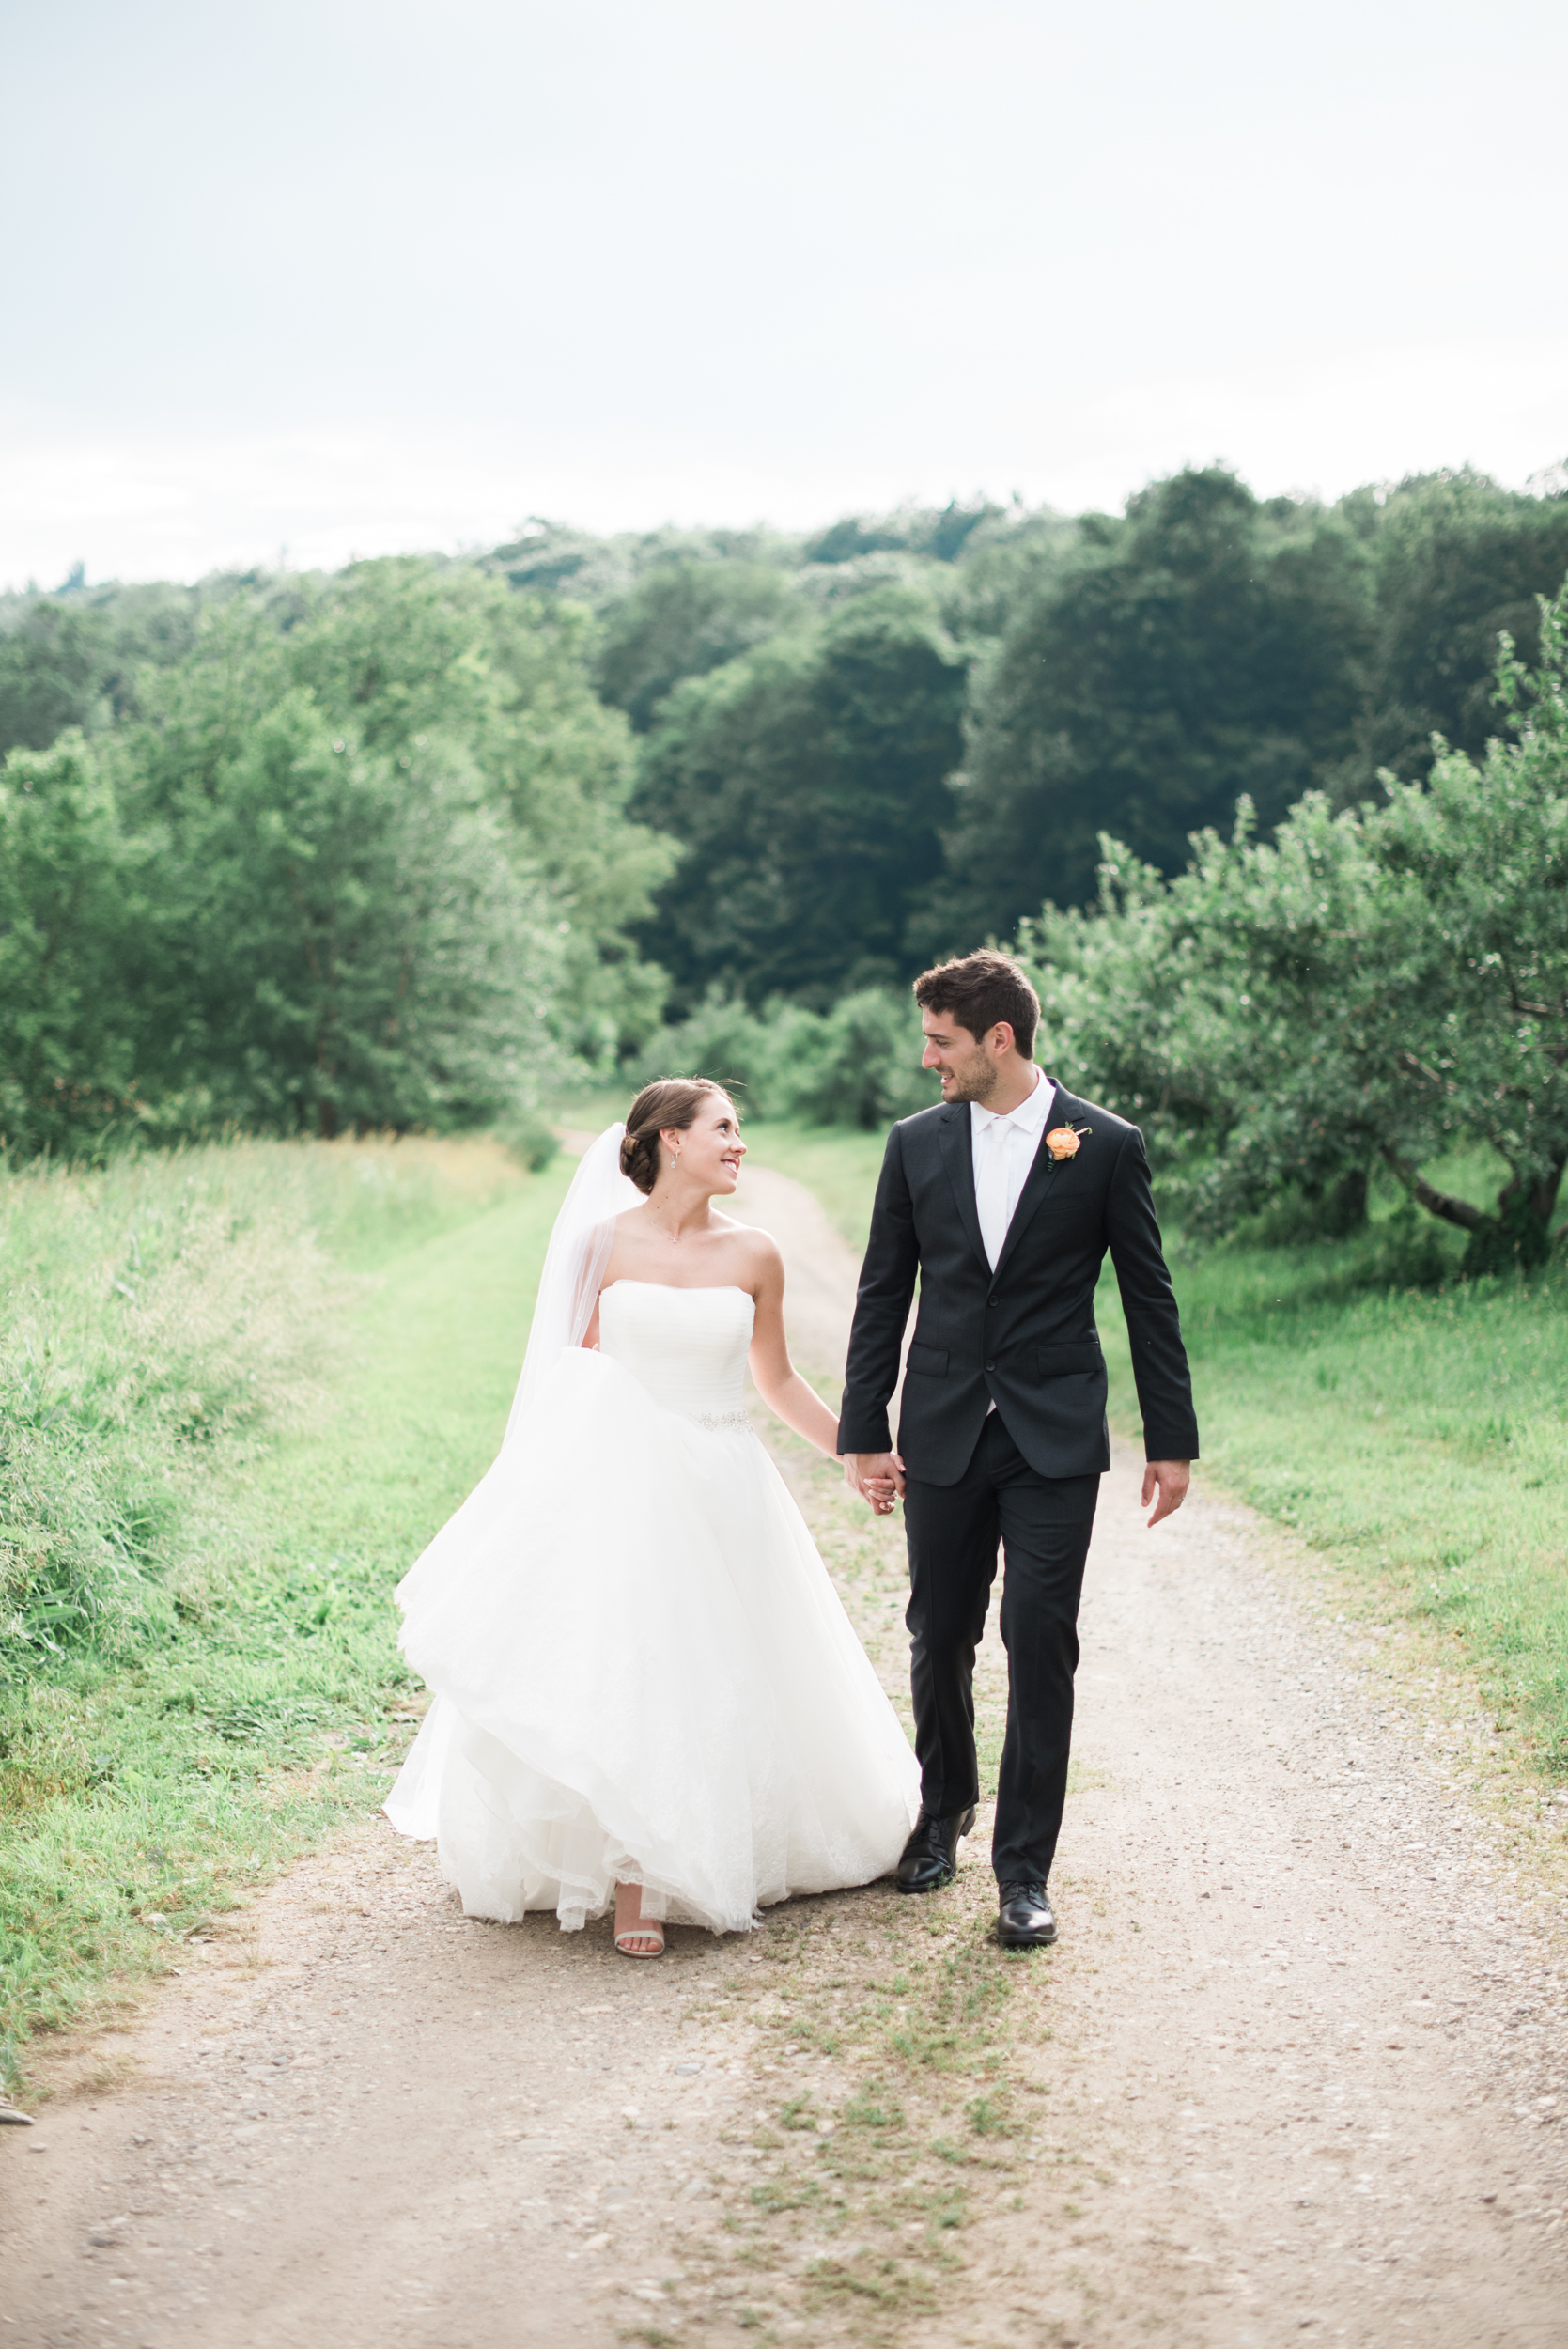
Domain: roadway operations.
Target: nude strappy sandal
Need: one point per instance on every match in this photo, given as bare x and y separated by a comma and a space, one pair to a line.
642, 1929
647, 1929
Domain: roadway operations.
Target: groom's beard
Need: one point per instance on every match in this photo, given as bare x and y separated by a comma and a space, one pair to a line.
971, 1081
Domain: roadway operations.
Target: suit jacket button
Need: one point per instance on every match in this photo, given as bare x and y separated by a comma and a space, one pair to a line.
993, 1301
990, 1365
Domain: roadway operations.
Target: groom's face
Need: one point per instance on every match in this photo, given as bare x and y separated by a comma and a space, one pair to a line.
967, 1064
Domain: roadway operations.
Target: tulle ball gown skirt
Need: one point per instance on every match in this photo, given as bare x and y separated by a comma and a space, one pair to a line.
642, 1671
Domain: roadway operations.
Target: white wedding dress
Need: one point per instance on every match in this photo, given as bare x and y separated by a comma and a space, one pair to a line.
642, 1670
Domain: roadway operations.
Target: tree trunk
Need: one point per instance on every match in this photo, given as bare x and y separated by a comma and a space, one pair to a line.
1344, 1203
1435, 1202
1519, 1238
1543, 1195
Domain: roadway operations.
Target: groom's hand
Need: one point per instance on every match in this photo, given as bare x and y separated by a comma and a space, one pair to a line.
1169, 1479
876, 1476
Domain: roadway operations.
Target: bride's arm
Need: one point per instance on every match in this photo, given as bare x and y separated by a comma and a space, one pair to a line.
778, 1383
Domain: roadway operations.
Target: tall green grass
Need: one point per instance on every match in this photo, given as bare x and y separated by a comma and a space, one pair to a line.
154, 1315
239, 1690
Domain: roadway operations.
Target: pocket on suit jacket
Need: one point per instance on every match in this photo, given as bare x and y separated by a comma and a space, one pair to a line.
931, 1359
1062, 1361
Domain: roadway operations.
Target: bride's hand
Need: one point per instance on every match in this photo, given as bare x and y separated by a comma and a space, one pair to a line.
878, 1499
876, 1476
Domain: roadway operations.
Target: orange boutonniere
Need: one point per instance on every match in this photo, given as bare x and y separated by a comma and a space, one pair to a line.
1062, 1141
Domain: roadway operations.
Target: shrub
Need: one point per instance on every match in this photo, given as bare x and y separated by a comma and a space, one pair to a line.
858, 1064
531, 1139
723, 1040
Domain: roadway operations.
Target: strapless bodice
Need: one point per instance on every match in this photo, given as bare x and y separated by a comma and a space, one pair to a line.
687, 1347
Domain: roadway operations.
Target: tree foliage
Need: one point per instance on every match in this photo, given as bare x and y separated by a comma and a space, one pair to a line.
1202, 650
807, 783
684, 619
71, 659
584, 782
857, 1064
436, 658
361, 857
69, 935
51, 665
1457, 561
1385, 981
346, 940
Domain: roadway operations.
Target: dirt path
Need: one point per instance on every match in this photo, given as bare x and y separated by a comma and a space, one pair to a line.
1296, 2071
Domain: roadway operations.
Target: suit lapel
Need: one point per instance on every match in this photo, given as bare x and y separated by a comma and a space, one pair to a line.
1042, 1174
958, 1158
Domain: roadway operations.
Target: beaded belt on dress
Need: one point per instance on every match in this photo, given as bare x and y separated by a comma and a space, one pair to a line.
719, 1419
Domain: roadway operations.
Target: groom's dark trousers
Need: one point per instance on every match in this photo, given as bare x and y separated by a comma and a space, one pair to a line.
1023, 1476
1044, 1524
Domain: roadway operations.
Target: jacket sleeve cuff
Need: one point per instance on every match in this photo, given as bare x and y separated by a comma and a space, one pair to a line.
1167, 1443
865, 1435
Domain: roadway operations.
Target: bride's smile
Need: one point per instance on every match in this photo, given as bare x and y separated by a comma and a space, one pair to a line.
707, 1157
696, 1163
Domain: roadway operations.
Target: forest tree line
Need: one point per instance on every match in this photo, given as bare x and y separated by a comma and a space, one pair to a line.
380, 849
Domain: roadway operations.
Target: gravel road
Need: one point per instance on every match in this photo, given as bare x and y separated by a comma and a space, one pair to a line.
1298, 2058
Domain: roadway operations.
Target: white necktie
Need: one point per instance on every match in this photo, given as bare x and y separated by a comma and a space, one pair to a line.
999, 1140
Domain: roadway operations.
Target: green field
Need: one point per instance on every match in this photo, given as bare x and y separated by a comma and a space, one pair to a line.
143, 1789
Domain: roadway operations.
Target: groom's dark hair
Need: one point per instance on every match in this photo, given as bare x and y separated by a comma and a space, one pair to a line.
980, 989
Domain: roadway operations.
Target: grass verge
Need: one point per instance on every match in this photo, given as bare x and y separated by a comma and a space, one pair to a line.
256, 1699
1416, 1438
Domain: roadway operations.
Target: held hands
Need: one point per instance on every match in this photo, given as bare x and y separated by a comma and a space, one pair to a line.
1169, 1479
876, 1476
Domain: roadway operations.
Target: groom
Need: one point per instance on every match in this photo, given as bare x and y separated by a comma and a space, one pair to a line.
1004, 1202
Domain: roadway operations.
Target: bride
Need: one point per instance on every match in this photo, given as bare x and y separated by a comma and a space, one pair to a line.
645, 1687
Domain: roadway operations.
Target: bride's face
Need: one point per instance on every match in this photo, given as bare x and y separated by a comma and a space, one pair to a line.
710, 1149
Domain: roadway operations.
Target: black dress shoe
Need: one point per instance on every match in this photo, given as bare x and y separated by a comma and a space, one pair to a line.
931, 1855
1026, 1922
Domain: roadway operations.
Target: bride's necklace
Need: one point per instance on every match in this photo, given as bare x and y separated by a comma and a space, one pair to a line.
672, 1239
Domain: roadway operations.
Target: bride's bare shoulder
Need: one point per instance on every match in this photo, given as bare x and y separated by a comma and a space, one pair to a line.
626, 1240
733, 1227
759, 1247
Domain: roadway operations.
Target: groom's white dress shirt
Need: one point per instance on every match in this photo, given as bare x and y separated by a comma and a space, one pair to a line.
1003, 1151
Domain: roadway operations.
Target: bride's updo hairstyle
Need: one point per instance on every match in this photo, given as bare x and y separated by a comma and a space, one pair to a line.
669, 1102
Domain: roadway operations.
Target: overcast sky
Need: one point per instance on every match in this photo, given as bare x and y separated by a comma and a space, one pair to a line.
337, 277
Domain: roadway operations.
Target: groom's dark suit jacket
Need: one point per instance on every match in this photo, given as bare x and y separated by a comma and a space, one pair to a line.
1024, 1335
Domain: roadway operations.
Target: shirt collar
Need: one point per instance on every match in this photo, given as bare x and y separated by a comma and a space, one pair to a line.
1027, 1118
